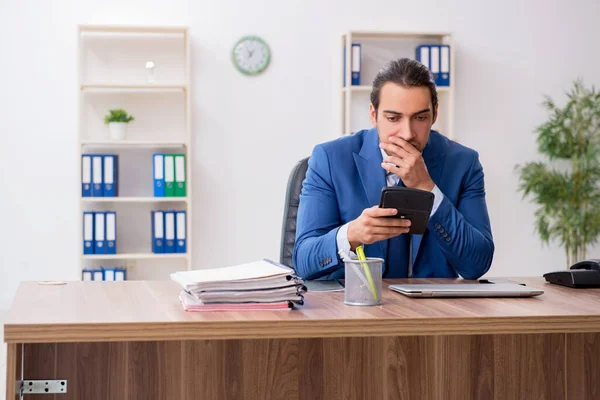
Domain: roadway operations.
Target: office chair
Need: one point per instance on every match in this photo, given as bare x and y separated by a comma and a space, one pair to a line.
290, 212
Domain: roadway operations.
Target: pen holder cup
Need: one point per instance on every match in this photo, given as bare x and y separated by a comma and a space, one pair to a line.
363, 282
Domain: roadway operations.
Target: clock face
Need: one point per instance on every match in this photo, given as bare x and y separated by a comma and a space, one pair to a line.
251, 55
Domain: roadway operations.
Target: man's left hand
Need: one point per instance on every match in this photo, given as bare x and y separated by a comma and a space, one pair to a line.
408, 164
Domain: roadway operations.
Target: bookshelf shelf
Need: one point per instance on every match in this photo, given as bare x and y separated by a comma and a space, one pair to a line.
132, 30
135, 256
133, 143
377, 46
92, 200
109, 87
144, 70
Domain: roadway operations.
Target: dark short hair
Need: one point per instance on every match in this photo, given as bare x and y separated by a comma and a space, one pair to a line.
404, 72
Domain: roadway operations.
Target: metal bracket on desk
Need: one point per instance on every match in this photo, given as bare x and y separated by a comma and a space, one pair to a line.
42, 387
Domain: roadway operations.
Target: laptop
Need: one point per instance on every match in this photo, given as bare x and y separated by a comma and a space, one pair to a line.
466, 290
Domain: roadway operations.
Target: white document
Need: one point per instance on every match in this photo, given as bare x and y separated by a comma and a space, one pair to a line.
445, 64
86, 170
158, 225
179, 169
109, 274
180, 226
435, 59
97, 170
170, 225
356, 58
158, 166
169, 169
109, 165
88, 225
99, 226
254, 270
111, 226
425, 56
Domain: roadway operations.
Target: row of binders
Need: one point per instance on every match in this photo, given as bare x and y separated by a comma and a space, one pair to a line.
99, 175
169, 175
261, 285
99, 232
169, 232
104, 274
435, 57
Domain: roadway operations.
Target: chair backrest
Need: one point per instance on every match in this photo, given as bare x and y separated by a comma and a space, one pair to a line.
290, 211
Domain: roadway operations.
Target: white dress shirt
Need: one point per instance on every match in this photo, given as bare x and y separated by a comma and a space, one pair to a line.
391, 180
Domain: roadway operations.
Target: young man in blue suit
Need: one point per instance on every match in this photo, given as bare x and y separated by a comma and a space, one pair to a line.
340, 194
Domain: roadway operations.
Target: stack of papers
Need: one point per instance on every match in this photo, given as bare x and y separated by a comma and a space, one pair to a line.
260, 285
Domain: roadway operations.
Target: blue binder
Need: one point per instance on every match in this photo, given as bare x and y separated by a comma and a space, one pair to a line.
86, 275
181, 234
437, 59
99, 233
158, 171
98, 275
158, 232
120, 274
109, 274
355, 64
444, 77
86, 175
88, 232
111, 175
423, 55
169, 232
110, 232
97, 175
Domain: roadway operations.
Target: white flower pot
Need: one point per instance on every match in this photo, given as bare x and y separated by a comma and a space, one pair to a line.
117, 130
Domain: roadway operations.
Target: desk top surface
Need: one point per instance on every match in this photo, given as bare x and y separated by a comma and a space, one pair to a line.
150, 310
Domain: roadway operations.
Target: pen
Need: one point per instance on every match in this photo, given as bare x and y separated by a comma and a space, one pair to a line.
361, 256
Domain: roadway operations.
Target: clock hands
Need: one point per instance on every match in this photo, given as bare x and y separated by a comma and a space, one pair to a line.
251, 56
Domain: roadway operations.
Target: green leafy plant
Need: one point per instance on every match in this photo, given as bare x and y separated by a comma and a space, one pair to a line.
118, 115
567, 194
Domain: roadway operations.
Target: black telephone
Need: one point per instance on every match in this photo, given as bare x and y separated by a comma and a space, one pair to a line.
584, 274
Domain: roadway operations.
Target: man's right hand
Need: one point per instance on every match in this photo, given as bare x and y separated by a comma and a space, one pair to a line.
371, 227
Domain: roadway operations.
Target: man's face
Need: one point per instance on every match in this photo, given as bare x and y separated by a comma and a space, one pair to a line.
406, 113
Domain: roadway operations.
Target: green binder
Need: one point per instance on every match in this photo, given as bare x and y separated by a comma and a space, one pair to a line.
180, 178
169, 175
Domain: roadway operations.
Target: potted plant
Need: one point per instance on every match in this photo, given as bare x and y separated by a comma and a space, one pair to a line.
567, 193
117, 121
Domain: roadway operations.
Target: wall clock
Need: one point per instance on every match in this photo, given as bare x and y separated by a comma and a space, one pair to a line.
251, 55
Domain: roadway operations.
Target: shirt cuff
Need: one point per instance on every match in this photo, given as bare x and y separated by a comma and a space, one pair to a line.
438, 197
342, 241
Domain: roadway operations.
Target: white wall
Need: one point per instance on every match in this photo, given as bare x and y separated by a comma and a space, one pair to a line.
249, 132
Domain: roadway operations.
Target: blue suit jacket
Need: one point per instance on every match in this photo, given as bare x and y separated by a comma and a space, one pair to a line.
345, 176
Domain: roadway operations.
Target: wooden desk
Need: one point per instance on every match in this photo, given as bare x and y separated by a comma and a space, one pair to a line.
132, 340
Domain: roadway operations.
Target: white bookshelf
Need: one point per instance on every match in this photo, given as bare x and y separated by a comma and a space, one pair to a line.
378, 48
120, 199
132, 143
135, 256
112, 74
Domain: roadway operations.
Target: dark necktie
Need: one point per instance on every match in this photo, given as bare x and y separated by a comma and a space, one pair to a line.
398, 253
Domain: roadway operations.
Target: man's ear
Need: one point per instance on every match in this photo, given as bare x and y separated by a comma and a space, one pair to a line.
435, 113
373, 113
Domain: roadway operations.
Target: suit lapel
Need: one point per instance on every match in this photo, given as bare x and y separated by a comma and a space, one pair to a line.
372, 176
433, 156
